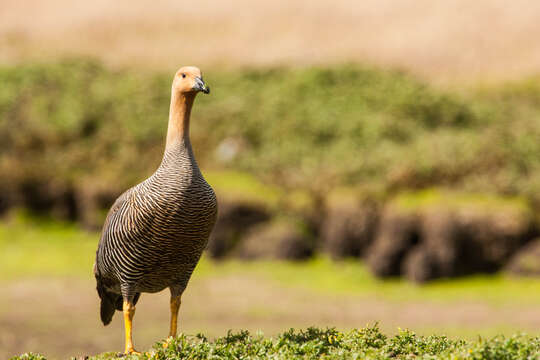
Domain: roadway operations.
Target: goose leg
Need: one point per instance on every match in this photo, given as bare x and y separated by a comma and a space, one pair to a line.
129, 312
175, 306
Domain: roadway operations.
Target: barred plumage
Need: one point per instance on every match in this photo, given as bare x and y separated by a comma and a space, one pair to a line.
156, 231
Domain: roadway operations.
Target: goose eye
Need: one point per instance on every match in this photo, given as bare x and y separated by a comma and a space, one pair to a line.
183, 75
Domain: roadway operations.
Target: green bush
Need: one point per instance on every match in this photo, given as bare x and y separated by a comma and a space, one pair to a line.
313, 343
76, 133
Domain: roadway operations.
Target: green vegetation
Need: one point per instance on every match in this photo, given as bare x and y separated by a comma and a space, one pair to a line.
313, 343
352, 277
242, 186
75, 134
36, 247
435, 197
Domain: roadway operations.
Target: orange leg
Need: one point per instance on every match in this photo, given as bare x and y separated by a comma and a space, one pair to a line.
129, 312
175, 306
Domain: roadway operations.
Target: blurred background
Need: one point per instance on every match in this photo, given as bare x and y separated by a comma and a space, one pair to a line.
375, 161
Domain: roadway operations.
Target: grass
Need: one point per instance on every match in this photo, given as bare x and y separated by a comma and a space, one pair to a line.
314, 343
450, 200
242, 186
53, 261
37, 247
352, 277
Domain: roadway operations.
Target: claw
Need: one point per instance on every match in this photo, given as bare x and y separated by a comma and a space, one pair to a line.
128, 352
132, 352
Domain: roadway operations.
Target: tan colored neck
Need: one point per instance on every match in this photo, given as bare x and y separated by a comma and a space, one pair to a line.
179, 113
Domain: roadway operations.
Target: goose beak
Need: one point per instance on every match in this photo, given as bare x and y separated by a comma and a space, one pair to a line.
201, 86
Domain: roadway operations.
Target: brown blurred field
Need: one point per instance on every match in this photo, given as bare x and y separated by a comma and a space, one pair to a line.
448, 41
59, 317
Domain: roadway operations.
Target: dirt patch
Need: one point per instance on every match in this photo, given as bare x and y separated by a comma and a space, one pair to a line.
527, 260
349, 228
276, 240
234, 221
443, 241
396, 235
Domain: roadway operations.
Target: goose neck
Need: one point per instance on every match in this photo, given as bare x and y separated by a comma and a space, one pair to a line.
179, 116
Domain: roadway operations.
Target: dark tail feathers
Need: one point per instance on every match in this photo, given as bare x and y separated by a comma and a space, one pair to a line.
110, 301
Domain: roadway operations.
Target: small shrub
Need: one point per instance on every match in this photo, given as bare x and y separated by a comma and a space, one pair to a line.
313, 343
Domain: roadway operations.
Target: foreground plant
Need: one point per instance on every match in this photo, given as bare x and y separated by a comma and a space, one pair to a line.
314, 343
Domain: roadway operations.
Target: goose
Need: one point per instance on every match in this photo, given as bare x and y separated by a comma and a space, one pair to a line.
156, 231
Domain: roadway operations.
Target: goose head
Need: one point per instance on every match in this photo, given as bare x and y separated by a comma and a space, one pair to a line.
189, 80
